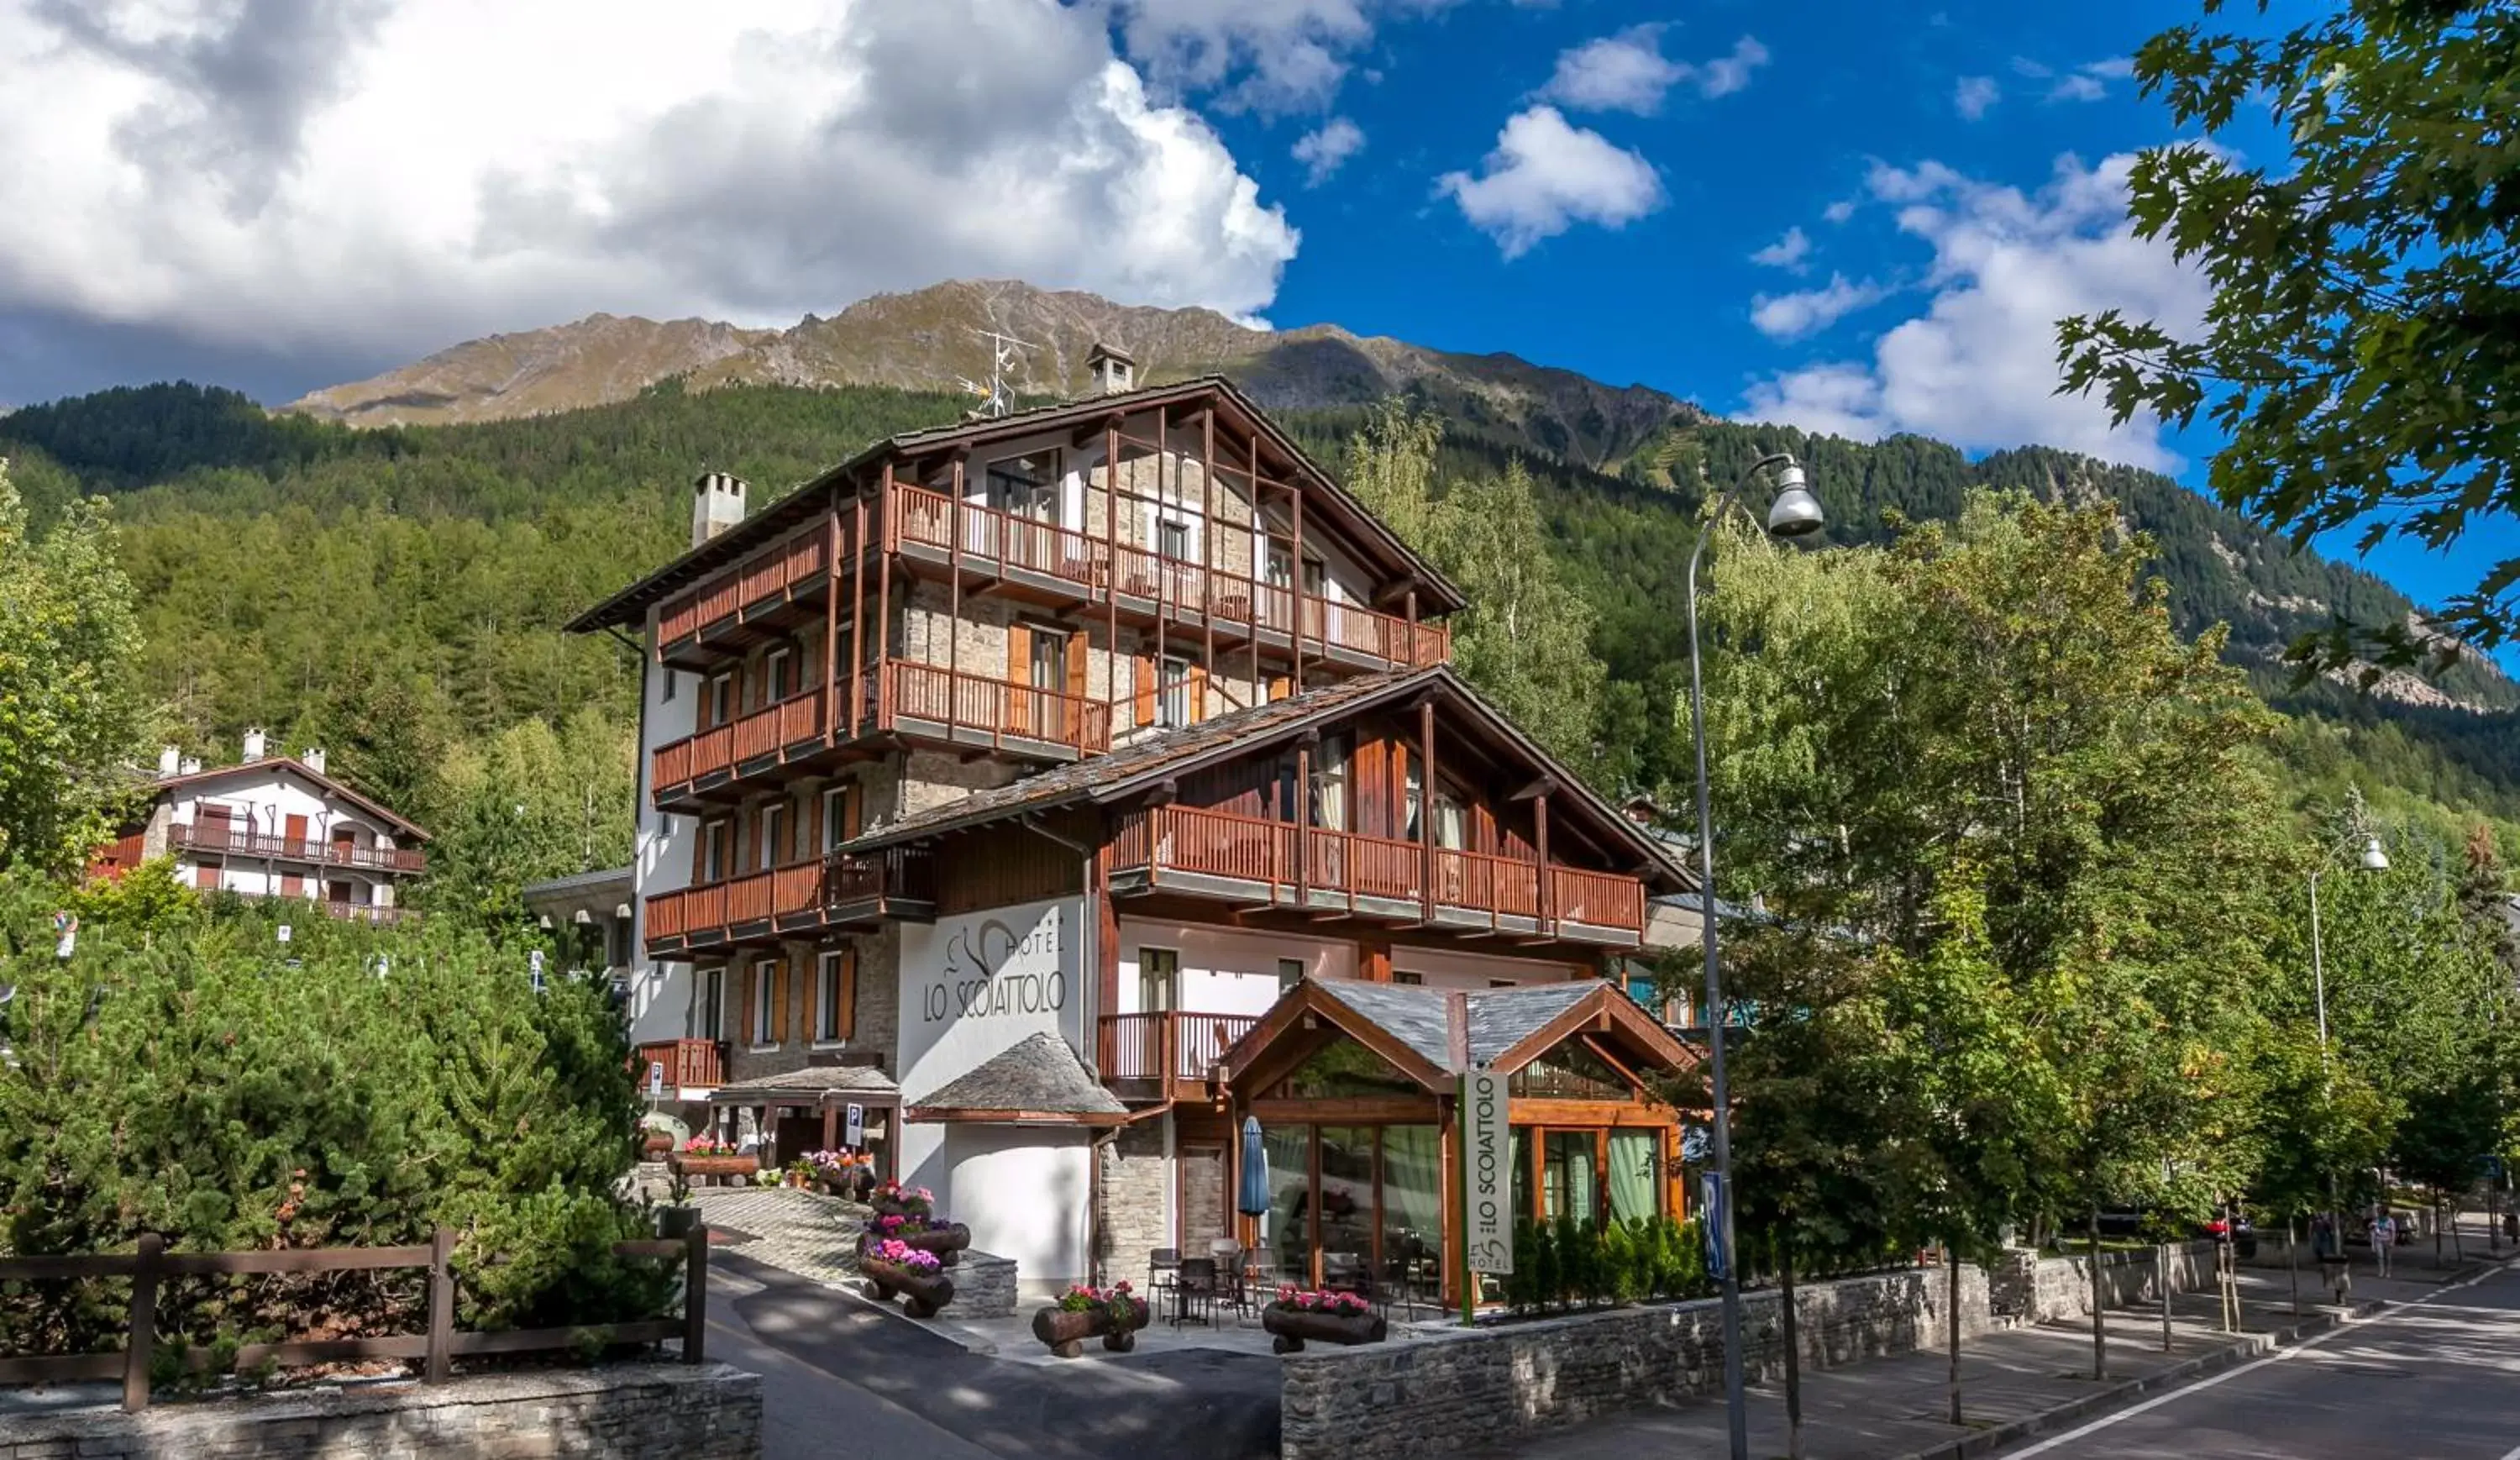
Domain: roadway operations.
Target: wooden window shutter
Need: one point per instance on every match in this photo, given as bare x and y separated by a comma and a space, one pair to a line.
1142, 677
1197, 693
1076, 652
852, 810
746, 1020
1280, 686
778, 1001
849, 1022
1019, 653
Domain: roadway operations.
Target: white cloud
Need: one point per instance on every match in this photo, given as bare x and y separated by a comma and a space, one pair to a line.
2077, 87
1975, 95
1628, 73
1273, 56
1327, 148
1839, 211
1979, 366
2114, 67
1788, 253
2023, 65
1791, 317
1545, 176
391, 175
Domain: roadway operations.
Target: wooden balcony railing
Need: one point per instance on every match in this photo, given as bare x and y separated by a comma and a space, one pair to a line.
1094, 568
689, 1063
968, 703
787, 563
1143, 1046
1246, 848
798, 895
229, 840
370, 912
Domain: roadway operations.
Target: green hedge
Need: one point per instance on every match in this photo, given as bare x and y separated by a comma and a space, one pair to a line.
1564, 1263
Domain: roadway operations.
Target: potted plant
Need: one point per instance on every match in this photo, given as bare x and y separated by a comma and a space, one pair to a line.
800, 1173
1296, 1316
929, 1234
706, 1158
842, 1173
919, 1277
1113, 1314
678, 1216
892, 1199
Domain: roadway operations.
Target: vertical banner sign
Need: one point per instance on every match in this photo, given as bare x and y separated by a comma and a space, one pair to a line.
856, 1128
1487, 1173
1715, 1218
655, 1079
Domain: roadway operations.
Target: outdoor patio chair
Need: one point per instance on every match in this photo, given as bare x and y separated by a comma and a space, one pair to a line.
1196, 1291
1161, 1266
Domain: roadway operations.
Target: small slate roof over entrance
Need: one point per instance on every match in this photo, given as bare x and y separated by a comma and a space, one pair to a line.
1037, 1075
808, 1084
1499, 1018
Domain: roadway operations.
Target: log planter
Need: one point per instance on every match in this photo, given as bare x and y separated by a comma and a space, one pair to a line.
853, 1186
1292, 1328
923, 1294
1064, 1332
739, 1169
947, 1243
886, 1207
656, 1143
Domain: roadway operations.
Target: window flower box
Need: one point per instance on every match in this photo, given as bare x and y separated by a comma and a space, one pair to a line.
1299, 1318
702, 1159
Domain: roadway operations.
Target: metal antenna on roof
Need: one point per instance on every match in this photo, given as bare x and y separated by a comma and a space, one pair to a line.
995, 399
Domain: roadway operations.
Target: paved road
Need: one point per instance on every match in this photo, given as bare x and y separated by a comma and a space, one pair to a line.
843, 1381
2435, 1378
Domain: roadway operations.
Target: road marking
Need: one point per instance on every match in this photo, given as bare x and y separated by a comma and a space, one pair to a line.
2276, 1357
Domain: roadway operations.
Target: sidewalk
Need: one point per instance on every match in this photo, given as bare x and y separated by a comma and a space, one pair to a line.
1897, 1408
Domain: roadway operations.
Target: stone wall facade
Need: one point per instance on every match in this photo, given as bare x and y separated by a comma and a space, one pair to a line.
984, 1285
658, 1411
1470, 1387
1131, 1216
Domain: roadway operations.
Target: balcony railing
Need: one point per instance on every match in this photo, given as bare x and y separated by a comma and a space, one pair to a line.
1092, 567
1343, 867
230, 842
370, 912
801, 896
790, 562
689, 1063
1144, 1046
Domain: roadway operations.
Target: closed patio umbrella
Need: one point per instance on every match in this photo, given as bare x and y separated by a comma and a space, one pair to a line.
1253, 1198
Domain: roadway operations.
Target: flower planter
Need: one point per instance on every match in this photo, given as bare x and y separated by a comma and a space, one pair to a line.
737, 1168
887, 1207
851, 1185
1065, 1331
923, 1294
655, 1144
947, 1243
1292, 1328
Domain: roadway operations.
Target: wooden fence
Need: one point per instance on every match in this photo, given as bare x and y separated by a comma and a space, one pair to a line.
437, 1349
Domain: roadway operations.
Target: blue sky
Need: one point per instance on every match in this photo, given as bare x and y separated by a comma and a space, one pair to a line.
1857, 217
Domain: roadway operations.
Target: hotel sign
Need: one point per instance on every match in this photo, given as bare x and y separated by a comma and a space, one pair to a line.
1487, 1173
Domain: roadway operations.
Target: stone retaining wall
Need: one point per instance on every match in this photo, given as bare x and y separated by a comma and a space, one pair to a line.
1455, 1390
657, 1411
984, 1285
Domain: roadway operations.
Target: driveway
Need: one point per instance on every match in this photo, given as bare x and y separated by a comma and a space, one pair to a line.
842, 1379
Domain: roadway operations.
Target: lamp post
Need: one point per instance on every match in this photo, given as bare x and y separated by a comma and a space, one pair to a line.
2373, 859
1795, 513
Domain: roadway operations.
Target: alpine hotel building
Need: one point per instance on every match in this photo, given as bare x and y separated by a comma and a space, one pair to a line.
1053, 792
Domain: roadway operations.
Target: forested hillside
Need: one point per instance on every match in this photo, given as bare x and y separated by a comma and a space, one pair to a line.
396, 595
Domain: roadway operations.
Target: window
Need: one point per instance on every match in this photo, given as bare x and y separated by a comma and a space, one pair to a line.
1173, 703
668, 695
1501, 984
765, 1002
712, 1009
1026, 487
1172, 539
1049, 666
1158, 980
774, 834
1290, 971
207, 876
1330, 784
719, 706
715, 837
835, 817
778, 673
1404, 976
834, 993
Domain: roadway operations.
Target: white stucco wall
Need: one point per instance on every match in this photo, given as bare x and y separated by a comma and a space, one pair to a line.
1024, 1191
260, 799
1224, 971
661, 994
1443, 968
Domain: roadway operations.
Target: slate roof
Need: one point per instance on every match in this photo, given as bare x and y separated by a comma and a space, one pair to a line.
1499, 1018
160, 785
628, 605
1037, 1073
814, 1080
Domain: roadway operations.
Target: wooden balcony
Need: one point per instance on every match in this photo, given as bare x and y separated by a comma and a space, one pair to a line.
798, 901
225, 841
369, 912
693, 1066
896, 697
1271, 863
1058, 563
1166, 1055
766, 591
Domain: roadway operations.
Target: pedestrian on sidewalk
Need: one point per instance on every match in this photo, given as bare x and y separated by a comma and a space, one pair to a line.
2384, 1239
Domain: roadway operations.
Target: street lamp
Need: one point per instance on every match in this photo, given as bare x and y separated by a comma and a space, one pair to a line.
2373, 859
1795, 513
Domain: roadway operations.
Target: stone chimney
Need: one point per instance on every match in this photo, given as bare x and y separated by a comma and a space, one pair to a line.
312, 758
254, 743
1111, 370
170, 761
717, 504
190, 765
